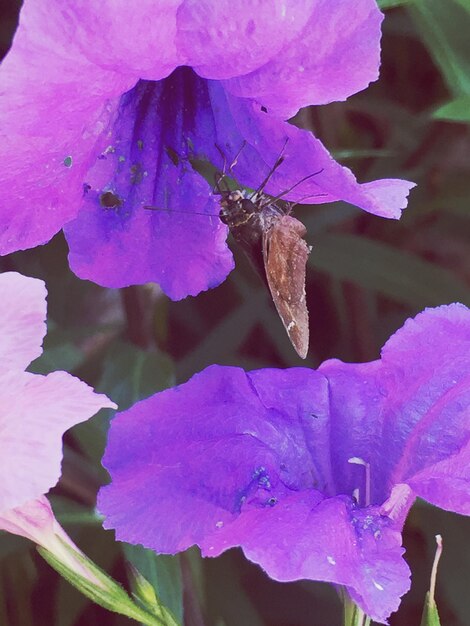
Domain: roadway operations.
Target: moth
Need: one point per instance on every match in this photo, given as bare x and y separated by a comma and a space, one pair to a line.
274, 242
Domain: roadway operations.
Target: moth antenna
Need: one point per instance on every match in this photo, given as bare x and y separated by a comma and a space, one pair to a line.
312, 195
278, 162
150, 207
223, 175
299, 182
235, 160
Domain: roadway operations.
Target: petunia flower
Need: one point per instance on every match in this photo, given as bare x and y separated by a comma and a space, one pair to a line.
35, 412
106, 106
310, 472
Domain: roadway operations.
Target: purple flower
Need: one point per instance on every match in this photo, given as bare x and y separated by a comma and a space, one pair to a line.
105, 105
311, 472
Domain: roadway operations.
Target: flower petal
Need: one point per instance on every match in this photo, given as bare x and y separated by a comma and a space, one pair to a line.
408, 415
60, 83
121, 242
305, 536
336, 55
236, 459
35, 520
225, 38
215, 441
304, 155
37, 410
432, 354
22, 320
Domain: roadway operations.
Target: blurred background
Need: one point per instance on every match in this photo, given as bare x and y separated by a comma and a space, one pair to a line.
365, 276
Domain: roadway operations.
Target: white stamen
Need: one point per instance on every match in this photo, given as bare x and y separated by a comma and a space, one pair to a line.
432, 586
355, 460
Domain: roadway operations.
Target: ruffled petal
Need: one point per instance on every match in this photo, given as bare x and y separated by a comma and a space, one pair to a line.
180, 242
214, 441
304, 155
305, 536
60, 85
234, 459
36, 411
225, 38
336, 55
408, 415
432, 355
22, 320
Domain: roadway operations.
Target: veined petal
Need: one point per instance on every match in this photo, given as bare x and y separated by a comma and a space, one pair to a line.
179, 241
304, 155
22, 320
36, 412
411, 410
225, 38
235, 459
60, 85
336, 55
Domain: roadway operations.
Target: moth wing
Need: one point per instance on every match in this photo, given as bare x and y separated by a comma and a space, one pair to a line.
285, 256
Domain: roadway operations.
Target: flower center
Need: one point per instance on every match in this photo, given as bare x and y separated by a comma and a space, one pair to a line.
363, 498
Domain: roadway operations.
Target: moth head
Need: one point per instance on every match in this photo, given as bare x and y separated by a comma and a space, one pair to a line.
236, 196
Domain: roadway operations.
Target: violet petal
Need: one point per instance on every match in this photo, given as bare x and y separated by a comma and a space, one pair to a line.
180, 242
345, 40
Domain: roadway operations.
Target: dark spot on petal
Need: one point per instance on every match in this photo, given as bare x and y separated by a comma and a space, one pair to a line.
110, 200
68, 161
264, 109
136, 173
175, 159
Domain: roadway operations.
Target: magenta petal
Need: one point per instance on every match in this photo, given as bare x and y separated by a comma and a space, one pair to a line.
305, 536
305, 155
213, 443
22, 320
336, 55
226, 38
236, 459
41, 81
432, 355
180, 241
60, 83
411, 410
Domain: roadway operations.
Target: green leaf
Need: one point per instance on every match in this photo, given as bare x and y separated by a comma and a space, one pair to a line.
129, 374
395, 273
457, 110
430, 615
163, 573
445, 28
59, 353
100, 547
390, 4
104, 590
